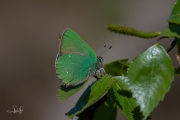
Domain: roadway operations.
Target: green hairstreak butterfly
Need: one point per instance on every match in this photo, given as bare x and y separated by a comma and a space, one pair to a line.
76, 60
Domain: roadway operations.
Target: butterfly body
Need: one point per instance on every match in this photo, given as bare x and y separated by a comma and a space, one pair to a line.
76, 60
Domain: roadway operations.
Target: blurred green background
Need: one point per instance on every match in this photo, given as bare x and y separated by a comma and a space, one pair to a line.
29, 43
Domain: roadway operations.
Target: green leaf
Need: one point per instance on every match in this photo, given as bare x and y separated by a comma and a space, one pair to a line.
89, 112
149, 78
82, 118
65, 92
171, 31
122, 96
175, 15
177, 41
107, 111
117, 68
177, 71
92, 94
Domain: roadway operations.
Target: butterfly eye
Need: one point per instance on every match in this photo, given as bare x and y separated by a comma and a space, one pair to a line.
100, 59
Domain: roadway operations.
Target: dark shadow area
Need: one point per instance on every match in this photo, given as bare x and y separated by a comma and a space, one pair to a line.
82, 101
88, 114
138, 115
125, 93
71, 87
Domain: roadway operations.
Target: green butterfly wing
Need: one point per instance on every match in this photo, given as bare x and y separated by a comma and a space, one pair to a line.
75, 58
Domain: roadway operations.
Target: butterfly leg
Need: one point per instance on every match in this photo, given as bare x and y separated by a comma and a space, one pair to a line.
100, 73
97, 73
103, 72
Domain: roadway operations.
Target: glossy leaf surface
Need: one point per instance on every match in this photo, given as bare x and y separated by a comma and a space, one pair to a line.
149, 78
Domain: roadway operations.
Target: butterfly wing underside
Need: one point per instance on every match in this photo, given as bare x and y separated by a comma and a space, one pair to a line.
75, 58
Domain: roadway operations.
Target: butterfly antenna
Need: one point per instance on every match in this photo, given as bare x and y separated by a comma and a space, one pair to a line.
103, 51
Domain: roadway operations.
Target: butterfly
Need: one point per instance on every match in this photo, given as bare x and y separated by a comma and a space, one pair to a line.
76, 60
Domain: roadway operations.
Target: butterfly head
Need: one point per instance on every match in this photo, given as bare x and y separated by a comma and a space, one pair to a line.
100, 59
99, 71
